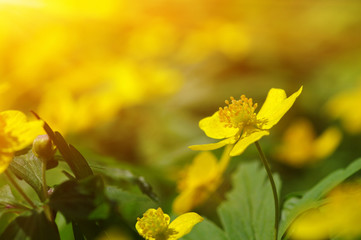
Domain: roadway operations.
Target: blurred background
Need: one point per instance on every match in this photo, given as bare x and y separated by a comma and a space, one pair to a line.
127, 81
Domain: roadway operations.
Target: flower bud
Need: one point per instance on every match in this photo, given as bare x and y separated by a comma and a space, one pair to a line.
43, 147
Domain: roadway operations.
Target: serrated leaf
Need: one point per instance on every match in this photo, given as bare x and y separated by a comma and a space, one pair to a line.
80, 200
206, 230
28, 167
249, 212
32, 226
295, 207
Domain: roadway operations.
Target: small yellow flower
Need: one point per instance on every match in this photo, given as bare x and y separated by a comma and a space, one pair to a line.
201, 179
238, 124
300, 146
154, 225
15, 134
339, 216
344, 106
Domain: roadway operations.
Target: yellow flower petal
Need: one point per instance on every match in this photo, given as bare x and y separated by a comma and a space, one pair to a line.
212, 146
275, 106
246, 140
327, 142
184, 224
185, 201
214, 128
19, 133
203, 168
201, 180
5, 159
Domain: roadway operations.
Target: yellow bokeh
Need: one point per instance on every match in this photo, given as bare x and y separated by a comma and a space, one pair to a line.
301, 147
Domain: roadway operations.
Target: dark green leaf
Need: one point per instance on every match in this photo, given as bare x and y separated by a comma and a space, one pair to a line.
74, 159
206, 230
249, 212
28, 167
81, 200
6, 217
293, 207
32, 226
88, 230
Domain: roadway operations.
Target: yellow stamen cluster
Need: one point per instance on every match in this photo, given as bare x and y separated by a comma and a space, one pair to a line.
238, 113
154, 224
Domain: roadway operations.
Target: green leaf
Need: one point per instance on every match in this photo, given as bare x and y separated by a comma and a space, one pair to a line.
293, 207
73, 157
8, 201
206, 230
131, 205
121, 175
249, 212
81, 200
28, 167
6, 217
88, 230
31, 226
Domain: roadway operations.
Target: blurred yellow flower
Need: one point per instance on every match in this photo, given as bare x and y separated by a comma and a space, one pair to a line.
15, 134
154, 225
339, 216
240, 125
344, 106
301, 147
200, 180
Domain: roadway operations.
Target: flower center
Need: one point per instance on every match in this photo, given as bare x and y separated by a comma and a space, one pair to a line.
239, 113
154, 224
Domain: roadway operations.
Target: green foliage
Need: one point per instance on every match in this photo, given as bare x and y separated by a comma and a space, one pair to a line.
71, 155
248, 212
8, 201
206, 230
81, 200
31, 225
28, 167
129, 204
294, 206
90, 204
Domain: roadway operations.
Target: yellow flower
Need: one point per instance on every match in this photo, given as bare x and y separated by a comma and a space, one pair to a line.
344, 107
339, 216
300, 146
15, 134
154, 225
201, 179
238, 124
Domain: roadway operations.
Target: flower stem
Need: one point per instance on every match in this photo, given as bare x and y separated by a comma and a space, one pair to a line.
47, 209
43, 173
19, 189
274, 189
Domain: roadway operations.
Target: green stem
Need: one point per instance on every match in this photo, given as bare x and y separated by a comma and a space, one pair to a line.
47, 209
45, 187
19, 189
274, 189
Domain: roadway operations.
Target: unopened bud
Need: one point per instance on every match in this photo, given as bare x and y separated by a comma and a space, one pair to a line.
43, 147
